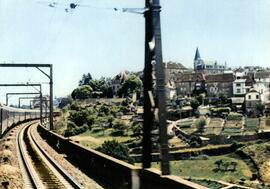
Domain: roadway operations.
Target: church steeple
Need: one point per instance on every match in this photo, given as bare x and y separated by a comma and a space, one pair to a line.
197, 55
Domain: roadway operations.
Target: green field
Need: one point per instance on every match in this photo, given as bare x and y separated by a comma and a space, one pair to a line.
206, 169
252, 124
95, 138
208, 183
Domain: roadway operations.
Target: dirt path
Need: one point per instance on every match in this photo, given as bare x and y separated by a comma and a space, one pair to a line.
10, 174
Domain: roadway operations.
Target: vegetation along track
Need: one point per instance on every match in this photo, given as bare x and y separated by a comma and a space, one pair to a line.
39, 169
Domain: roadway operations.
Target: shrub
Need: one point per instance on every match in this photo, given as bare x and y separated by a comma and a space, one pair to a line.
219, 111
59, 124
78, 117
200, 124
119, 124
194, 104
90, 120
74, 106
137, 129
73, 129
82, 92
117, 150
105, 110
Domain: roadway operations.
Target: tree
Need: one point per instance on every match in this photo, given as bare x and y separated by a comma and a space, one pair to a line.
219, 163
78, 117
200, 98
117, 150
102, 87
82, 92
86, 78
194, 104
223, 98
131, 85
65, 101
200, 124
137, 130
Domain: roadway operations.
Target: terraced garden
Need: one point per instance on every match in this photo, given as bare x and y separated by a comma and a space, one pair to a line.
207, 168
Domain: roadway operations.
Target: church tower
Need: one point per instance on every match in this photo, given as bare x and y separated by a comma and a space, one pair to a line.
198, 62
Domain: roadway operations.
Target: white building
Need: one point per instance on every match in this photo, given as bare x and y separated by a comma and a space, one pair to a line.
262, 84
239, 87
252, 99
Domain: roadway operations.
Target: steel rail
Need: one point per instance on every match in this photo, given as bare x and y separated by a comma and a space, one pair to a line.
60, 170
30, 177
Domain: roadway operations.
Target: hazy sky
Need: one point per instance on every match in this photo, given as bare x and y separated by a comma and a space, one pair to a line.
98, 40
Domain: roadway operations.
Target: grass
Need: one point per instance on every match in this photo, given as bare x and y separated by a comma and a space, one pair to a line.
252, 124
95, 138
208, 183
260, 153
185, 123
206, 168
231, 131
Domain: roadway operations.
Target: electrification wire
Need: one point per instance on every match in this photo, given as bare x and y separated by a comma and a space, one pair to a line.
56, 37
73, 5
45, 38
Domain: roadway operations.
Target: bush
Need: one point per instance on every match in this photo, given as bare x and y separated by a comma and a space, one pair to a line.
137, 129
118, 133
74, 106
220, 111
200, 124
78, 117
117, 150
73, 129
82, 92
119, 125
90, 120
194, 104
105, 110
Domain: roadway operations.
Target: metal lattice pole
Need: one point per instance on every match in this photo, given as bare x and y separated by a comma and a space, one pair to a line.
161, 94
148, 86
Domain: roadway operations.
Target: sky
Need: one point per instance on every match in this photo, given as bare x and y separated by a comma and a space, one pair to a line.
94, 38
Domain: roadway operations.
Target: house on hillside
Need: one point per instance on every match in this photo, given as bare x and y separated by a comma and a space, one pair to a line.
262, 84
238, 104
252, 99
188, 83
216, 84
242, 85
118, 80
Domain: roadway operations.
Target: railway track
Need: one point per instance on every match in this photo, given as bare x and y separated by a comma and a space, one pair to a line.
40, 171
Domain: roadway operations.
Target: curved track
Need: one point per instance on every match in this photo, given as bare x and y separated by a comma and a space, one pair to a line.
39, 169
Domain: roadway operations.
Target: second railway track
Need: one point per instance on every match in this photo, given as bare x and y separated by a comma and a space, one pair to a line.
39, 169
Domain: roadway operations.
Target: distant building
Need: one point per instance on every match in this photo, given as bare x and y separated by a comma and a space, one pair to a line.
237, 104
172, 69
243, 83
187, 83
262, 84
216, 84
252, 99
118, 80
211, 67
